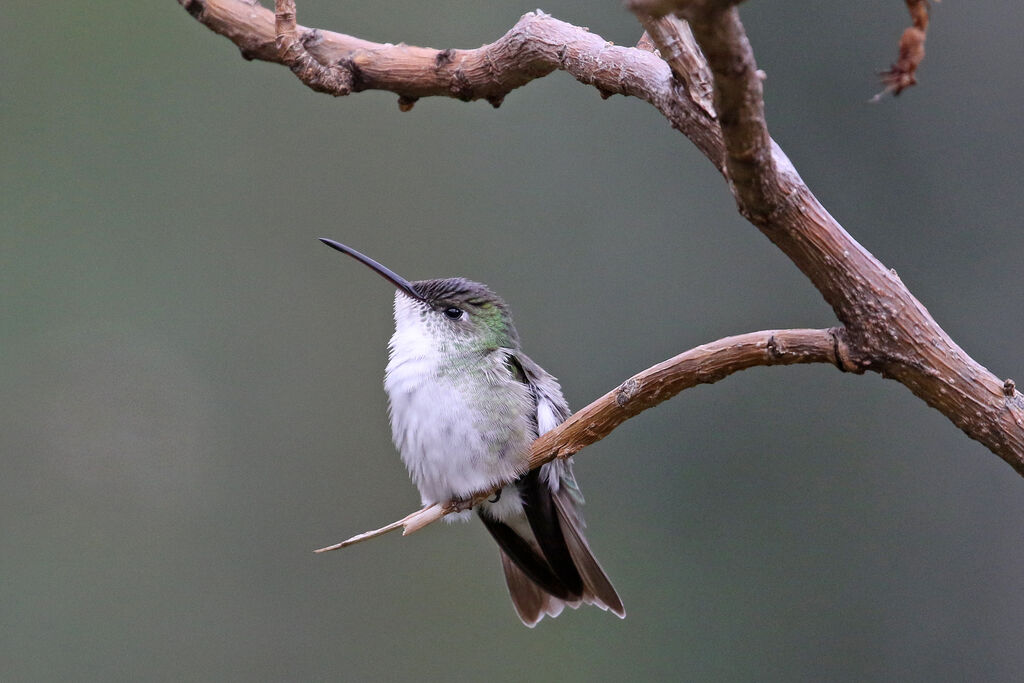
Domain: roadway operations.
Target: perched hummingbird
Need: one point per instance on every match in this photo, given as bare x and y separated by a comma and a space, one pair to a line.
466, 404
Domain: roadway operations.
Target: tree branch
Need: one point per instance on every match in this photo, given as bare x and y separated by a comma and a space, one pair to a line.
885, 329
888, 330
677, 46
537, 45
704, 364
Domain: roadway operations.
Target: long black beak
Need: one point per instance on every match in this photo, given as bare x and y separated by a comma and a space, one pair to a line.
391, 276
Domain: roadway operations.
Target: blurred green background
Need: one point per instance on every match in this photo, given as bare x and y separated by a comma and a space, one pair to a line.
192, 393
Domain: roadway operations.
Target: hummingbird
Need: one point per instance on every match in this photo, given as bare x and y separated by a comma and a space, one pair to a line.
465, 404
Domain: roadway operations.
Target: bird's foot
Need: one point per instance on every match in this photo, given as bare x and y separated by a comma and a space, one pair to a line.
461, 504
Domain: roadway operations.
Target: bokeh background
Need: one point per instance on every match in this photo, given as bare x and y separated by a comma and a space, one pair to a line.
192, 393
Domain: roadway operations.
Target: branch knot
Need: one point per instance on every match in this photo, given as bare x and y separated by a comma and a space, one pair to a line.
842, 354
626, 391
293, 53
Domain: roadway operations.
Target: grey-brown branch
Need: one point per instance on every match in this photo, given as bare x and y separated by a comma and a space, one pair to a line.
704, 364
885, 329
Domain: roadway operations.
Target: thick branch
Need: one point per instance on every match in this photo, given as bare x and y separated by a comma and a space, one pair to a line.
705, 364
677, 46
887, 330
537, 45
740, 102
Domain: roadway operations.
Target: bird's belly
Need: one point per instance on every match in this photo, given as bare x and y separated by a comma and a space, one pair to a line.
458, 440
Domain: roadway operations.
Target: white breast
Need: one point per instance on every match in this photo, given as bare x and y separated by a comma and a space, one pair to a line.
456, 437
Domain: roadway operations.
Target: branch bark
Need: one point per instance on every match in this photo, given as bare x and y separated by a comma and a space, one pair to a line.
885, 328
537, 45
677, 46
332, 79
704, 364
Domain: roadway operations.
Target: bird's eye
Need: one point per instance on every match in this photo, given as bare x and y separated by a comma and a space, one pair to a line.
453, 313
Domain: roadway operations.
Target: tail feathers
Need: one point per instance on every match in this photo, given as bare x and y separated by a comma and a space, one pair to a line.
597, 588
536, 590
521, 548
547, 561
531, 601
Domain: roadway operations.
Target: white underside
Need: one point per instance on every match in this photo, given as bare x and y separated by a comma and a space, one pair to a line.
459, 434
451, 438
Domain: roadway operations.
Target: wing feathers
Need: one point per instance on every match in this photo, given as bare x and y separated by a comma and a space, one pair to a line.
555, 567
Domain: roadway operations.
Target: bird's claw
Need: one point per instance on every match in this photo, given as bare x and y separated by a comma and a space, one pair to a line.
461, 504
458, 504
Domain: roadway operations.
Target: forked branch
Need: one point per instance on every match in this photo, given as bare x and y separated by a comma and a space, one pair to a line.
326, 78
885, 329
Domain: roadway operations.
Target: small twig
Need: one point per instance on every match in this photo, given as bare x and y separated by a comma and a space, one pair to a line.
704, 364
414, 521
366, 536
902, 74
